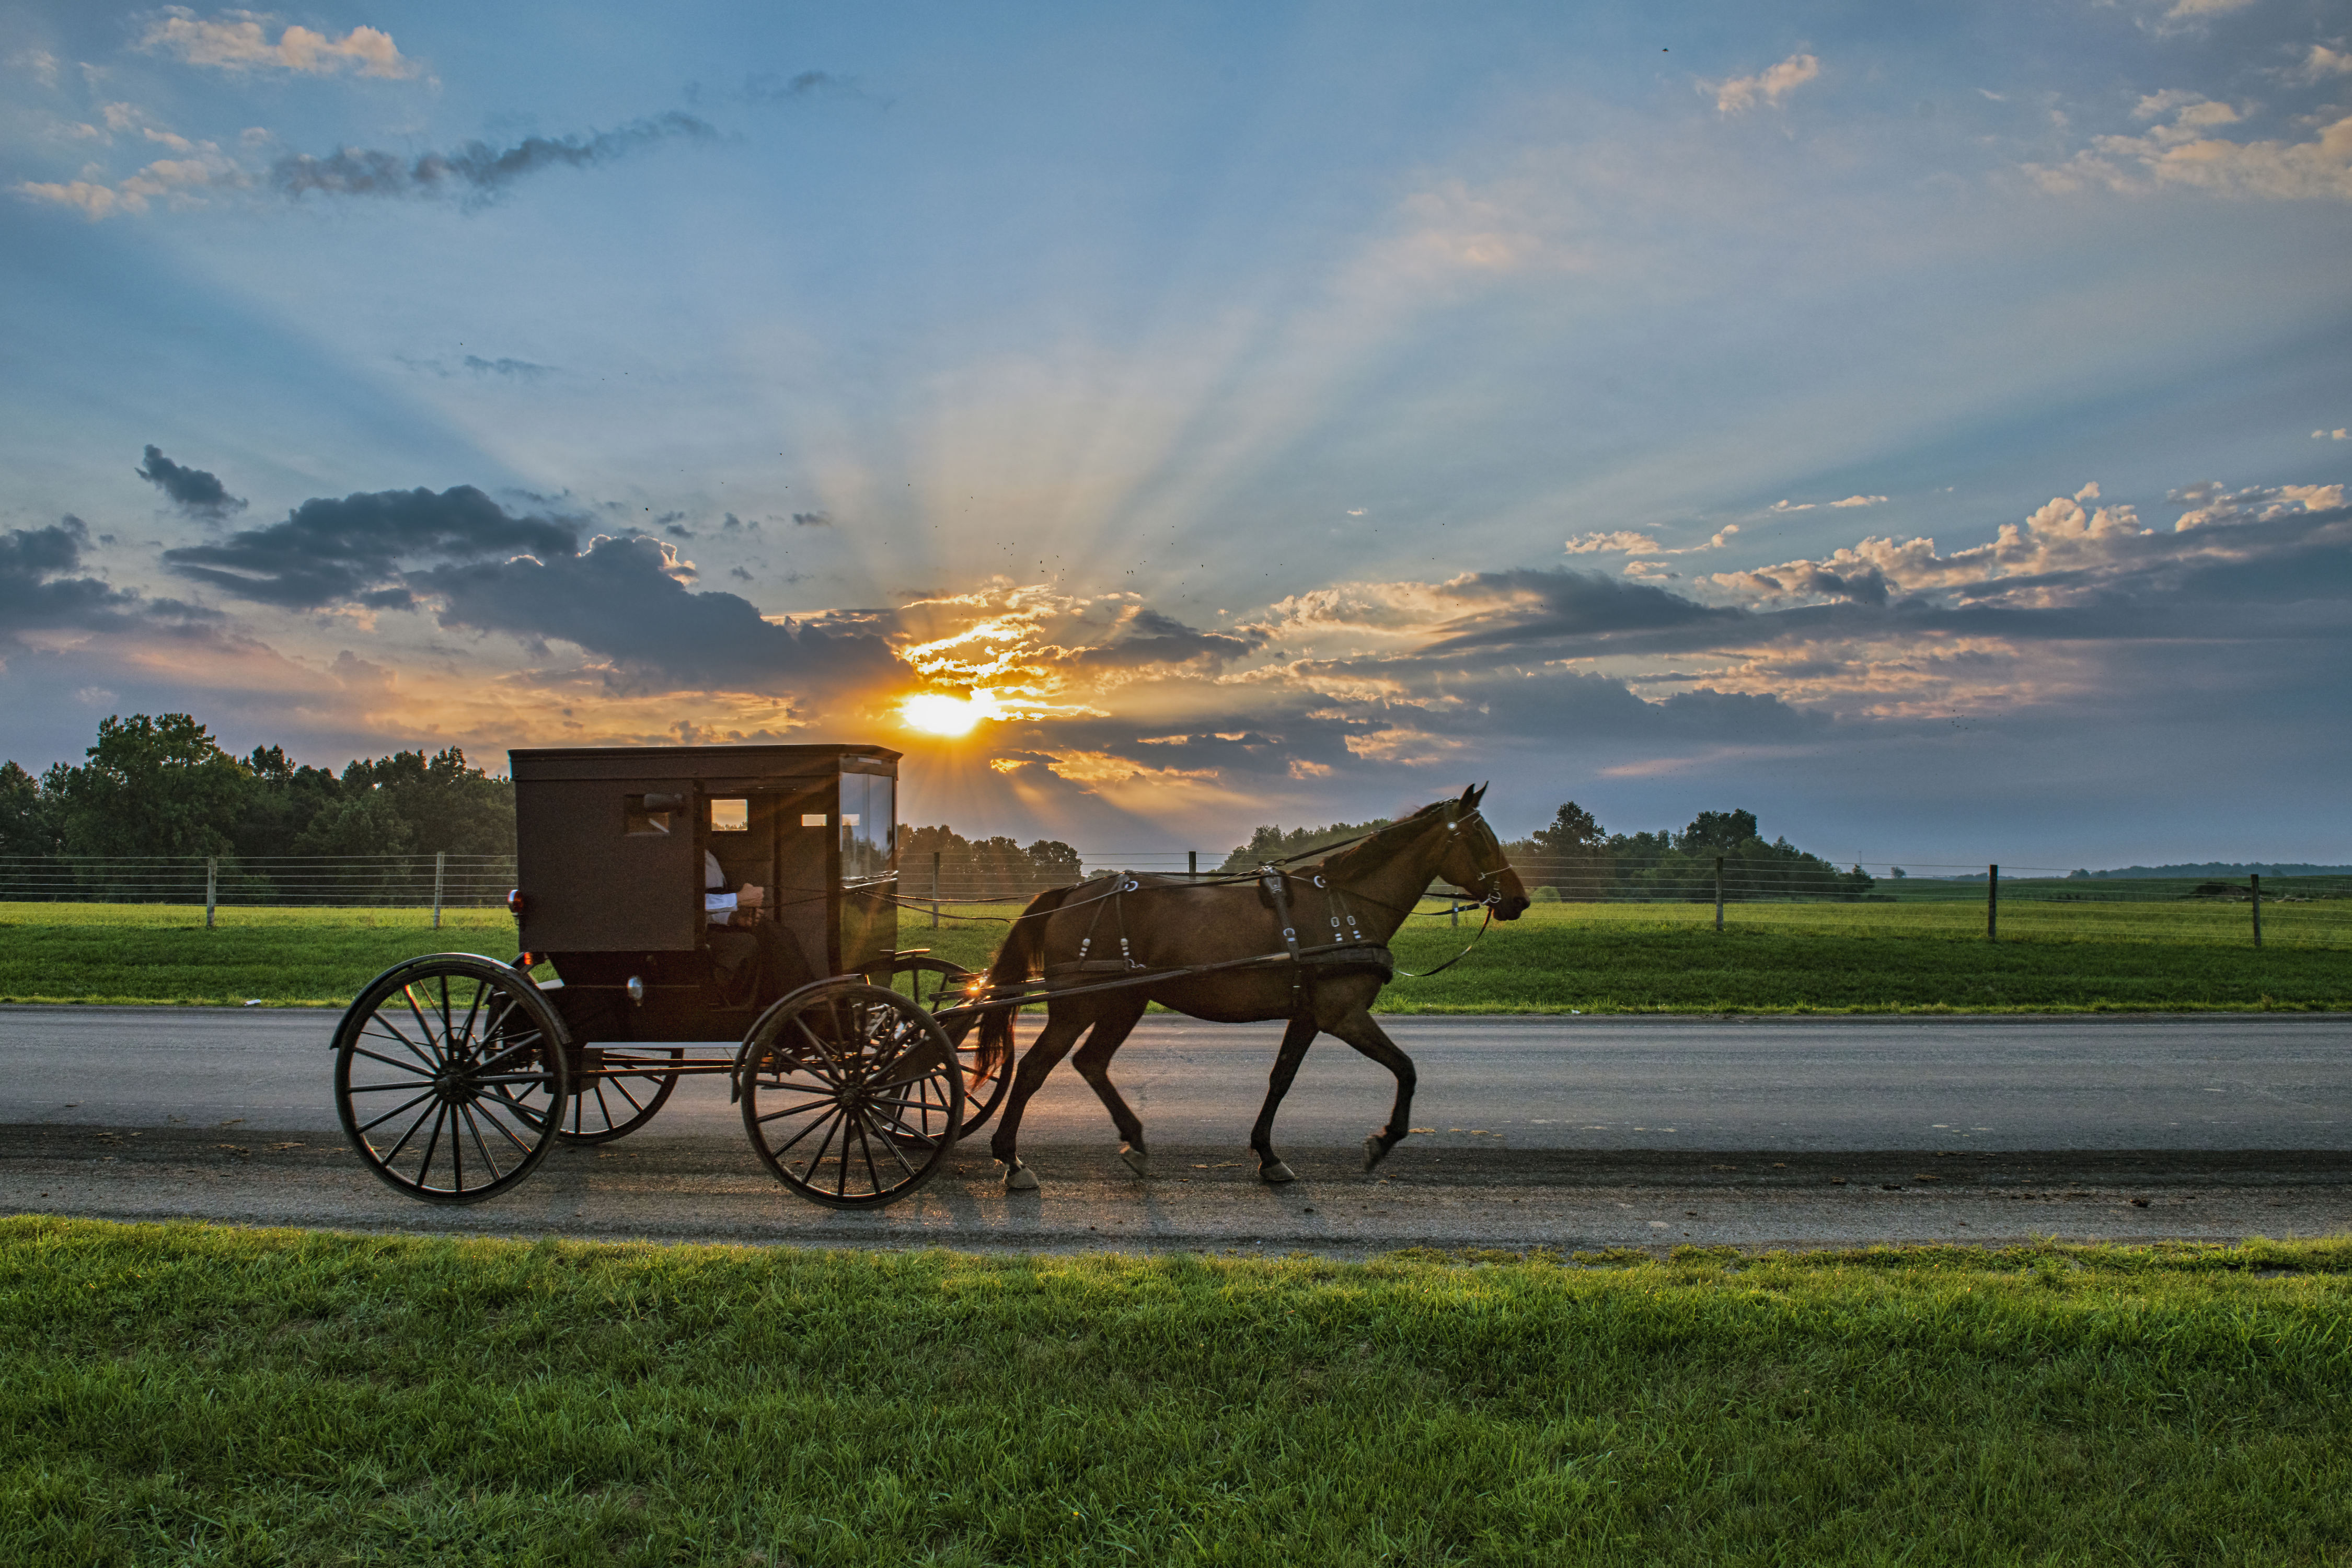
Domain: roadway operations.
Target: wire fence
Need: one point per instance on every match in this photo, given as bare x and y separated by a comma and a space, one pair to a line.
1727, 889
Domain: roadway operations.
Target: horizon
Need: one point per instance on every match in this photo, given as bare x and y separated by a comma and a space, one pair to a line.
1927, 433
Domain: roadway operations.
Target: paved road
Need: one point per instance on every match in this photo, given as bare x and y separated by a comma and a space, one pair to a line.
1564, 1132
2216, 1082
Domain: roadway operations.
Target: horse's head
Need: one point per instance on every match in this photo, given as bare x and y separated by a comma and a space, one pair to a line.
1473, 859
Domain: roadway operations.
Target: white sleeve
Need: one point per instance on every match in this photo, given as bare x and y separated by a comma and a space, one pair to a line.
718, 907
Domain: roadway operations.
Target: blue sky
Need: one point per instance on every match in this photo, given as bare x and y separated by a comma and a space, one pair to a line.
1920, 427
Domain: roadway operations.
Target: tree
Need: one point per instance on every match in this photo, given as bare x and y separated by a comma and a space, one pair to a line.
1717, 832
152, 787
440, 802
31, 825
1573, 832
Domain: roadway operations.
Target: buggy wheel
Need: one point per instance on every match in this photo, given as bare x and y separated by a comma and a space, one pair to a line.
449, 1073
936, 984
851, 1094
616, 1091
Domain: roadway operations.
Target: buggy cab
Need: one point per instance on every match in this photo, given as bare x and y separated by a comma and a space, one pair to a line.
610, 846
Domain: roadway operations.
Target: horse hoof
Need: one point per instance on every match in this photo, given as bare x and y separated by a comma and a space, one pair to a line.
1020, 1179
1276, 1173
1137, 1159
1374, 1150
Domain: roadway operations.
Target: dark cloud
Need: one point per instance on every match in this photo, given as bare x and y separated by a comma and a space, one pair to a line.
738, 574
621, 600
41, 584
1555, 607
476, 171
1149, 637
351, 551
808, 519
517, 369
736, 522
768, 88
192, 490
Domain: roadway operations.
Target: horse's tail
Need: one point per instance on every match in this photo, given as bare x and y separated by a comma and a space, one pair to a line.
1023, 952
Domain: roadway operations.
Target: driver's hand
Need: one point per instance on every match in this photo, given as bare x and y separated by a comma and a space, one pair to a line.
749, 897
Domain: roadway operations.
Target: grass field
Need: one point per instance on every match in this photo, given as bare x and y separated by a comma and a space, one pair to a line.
212, 1396
1592, 958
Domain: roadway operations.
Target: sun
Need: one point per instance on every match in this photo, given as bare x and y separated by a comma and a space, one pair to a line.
937, 713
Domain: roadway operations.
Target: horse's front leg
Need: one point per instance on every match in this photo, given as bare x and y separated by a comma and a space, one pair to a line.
1053, 1042
1295, 1041
1359, 1031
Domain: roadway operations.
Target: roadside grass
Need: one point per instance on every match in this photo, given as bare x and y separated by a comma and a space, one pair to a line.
183, 1393
1593, 958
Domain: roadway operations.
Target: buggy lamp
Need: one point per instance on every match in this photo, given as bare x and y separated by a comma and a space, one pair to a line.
635, 988
514, 903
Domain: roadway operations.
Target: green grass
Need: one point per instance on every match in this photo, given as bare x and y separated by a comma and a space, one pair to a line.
211, 1395
1593, 958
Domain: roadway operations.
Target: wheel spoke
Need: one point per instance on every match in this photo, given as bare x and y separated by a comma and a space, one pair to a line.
394, 1062
489, 1113
475, 1128
796, 1110
392, 1031
473, 1010
371, 1126
621, 1087
804, 1132
424, 1026
891, 1144
833, 1066
404, 1137
432, 1141
866, 1153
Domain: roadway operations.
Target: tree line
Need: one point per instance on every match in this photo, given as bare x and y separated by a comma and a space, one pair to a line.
1574, 859
162, 786
990, 869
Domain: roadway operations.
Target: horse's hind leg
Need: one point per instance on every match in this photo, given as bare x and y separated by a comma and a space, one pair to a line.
1053, 1043
1359, 1030
1112, 1026
1295, 1041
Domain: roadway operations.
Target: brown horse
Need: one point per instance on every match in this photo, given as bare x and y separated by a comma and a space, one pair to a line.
1103, 943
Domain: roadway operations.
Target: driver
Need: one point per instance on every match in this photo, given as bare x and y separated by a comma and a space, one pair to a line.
755, 962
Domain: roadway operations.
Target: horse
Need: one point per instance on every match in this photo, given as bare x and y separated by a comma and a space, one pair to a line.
1201, 949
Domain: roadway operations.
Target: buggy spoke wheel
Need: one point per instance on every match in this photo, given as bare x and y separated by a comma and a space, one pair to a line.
617, 1092
852, 1094
935, 985
449, 1075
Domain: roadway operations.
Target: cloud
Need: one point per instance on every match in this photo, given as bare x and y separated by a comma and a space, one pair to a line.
476, 171
351, 551
1741, 93
2338, 434
622, 600
516, 369
41, 584
2324, 62
1145, 637
1619, 541
805, 519
2185, 153
1860, 500
174, 179
241, 42
192, 490
2185, 8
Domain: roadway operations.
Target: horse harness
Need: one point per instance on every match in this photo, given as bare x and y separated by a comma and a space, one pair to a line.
1349, 951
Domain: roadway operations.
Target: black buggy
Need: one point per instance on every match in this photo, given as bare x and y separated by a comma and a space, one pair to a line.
454, 1073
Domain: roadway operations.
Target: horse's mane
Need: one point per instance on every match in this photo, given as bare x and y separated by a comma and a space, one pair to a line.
1366, 852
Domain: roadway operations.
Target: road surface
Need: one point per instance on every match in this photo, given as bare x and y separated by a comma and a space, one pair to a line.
1569, 1133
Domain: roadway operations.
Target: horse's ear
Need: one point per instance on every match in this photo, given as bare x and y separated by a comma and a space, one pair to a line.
1472, 796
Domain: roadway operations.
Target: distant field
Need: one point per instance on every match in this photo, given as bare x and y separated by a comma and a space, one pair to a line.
1928, 956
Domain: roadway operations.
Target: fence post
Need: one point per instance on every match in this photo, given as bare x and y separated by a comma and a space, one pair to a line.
440, 868
935, 888
1718, 892
212, 888
1992, 903
2254, 882
1191, 865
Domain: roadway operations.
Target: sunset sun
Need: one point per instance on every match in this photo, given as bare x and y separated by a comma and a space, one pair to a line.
938, 713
